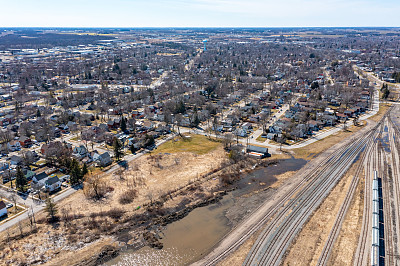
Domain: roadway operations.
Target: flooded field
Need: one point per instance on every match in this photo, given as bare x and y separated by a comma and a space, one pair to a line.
187, 240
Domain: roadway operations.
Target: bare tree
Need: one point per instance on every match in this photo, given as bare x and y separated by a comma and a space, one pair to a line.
13, 197
94, 187
227, 140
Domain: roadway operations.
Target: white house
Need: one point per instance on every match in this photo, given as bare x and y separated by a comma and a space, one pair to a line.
40, 178
103, 159
3, 209
52, 183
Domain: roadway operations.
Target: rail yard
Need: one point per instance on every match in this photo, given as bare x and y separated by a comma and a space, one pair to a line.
376, 148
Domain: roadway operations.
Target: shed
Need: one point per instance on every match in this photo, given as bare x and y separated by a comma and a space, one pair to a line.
257, 151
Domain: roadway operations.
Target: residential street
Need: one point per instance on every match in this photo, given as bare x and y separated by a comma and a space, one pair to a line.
38, 206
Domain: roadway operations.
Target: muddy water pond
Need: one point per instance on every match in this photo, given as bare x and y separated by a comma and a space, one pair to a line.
189, 239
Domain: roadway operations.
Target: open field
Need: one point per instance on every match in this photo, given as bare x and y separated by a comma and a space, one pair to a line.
197, 144
149, 176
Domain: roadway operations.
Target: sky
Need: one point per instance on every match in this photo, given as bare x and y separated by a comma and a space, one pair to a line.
200, 13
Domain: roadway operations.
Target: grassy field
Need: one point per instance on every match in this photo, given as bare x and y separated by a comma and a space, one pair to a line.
197, 144
261, 139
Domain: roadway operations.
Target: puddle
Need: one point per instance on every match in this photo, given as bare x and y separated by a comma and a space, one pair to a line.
191, 238
265, 177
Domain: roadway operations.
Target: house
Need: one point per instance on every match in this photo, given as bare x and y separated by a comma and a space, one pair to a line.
64, 129
111, 125
240, 132
28, 173
103, 127
103, 159
271, 136
247, 127
274, 129
342, 117
16, 160
4, 166
14, 145
80, 152
52, 183
313, 125
3, 209
257, 151
40, 178
25, 141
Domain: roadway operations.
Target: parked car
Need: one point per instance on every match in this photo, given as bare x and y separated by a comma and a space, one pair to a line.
9, 205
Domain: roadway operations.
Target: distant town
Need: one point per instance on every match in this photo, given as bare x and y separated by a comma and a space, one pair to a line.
92, 120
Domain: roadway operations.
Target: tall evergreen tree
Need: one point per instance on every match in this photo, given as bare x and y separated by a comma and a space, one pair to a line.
84, 170
117, 145
20, 180
123, 124
75, 172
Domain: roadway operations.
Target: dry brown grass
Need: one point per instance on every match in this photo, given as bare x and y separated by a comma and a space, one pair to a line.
239, 255
150, 176
281, 178
346, 244
383, 108
128, 196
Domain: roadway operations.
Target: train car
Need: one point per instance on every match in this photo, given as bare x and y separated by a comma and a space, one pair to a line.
375, 247
375, 184
375, 221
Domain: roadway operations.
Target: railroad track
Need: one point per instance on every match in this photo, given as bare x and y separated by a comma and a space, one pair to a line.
312, 174
390, 190
275, 239
390, 195
395, 149
326, 252
387, 211
361, 256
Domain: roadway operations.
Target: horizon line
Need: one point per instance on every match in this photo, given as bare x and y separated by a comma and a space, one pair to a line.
195, 27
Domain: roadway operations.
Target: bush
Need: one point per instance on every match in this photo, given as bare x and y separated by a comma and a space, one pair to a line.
128, 196
115, 214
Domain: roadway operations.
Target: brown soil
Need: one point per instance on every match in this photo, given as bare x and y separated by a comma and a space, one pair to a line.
307, 247
346, 244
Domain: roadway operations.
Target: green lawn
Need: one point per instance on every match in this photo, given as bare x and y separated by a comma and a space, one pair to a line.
76, 138
261, 139
194, 143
